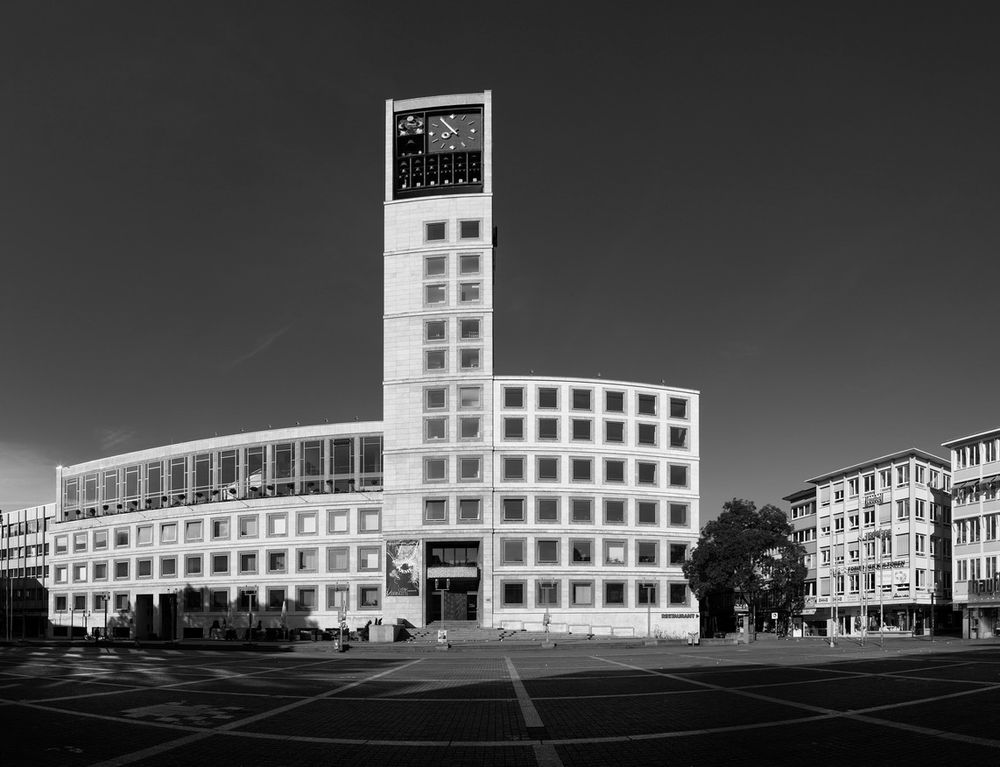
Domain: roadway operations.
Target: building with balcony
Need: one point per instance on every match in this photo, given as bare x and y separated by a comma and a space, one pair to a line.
515, 501
882, 545
975, 498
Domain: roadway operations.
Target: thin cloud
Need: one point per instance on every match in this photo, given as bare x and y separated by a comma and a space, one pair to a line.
112, 437
263, 343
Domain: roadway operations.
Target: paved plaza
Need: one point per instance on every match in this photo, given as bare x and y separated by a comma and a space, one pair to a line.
776, 702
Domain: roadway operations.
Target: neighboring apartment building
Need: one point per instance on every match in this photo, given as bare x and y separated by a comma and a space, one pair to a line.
512, 500
882, 544
802, 517
24, 571
975, 491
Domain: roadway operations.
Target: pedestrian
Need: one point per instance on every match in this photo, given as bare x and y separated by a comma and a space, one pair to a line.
213, 633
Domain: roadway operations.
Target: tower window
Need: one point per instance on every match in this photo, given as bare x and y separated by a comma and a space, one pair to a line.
469, 230
435, 231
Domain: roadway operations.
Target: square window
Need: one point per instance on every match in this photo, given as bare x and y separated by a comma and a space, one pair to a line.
305, 598
248, 527
513, 428
79, 602
646, 404
435, 399
647, 434
469, 509
513, 468
121, 570
435, 231
646, 594
548, 428
678, 408
678, 436
582, 469
337, 559
369, 520
220, 564
469, 229
306, 560
614, 402
61, 602
469, 292
275, 599
468, 263
470, 468
470, 427
614, 552
192, 564
100, 540
435, 330
143, 535
679, 514
435, 266
470, 359
547, 594
513, 396
647, 513
614, 594
614, 471
512, 551
277, 525
647, 552
168, 532
469, 328
614, 432
435, 469
336, 598
100, 571
436, 359
582, 511
582, 429
581, 399
583, 551
144, 568
646, 473
435, 510
220, 529
678, 475
248, 562
678, 553
121, 537
678, 594
547, 510
79, 572
277, 561
548, 398
369, 597
369, 558
513, 594
614, 511
470, 397
436, 294
548, 469
513, 509
547, 552
581, 593
307, 523
193, 531
435, 428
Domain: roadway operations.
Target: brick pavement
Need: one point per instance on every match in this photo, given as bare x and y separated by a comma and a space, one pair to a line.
776, 703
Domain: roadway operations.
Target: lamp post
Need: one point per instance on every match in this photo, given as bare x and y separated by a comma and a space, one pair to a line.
107, 598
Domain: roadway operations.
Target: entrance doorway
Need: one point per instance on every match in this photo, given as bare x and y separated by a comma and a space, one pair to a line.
143, 616
168, 616
452, 582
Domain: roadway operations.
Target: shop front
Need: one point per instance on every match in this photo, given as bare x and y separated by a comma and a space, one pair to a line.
981, 617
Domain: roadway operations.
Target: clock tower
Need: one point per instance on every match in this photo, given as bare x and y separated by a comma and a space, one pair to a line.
438, 355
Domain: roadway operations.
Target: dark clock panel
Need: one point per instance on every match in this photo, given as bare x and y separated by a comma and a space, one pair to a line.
438, 152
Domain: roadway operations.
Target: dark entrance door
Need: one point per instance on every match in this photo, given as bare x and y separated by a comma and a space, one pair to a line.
168, 613
143, 616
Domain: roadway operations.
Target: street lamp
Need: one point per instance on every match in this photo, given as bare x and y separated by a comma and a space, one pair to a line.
107, 598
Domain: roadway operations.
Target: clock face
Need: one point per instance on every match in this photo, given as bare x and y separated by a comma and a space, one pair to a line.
455, 132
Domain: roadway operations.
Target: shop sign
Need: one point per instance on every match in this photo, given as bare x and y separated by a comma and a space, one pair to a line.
878, 566
679, 615
872, 499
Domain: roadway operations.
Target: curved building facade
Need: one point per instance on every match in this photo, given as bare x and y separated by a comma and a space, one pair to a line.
500, 500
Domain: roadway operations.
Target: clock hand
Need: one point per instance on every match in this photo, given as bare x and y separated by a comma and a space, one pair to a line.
445, 123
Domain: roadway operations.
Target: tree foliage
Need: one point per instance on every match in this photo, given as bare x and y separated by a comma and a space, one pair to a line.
749, 550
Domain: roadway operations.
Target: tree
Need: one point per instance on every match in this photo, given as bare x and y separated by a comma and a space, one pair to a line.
750, 551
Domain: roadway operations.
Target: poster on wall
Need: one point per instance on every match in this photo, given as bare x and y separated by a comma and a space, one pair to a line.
402, 568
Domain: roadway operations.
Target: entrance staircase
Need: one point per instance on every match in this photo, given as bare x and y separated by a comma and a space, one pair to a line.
459, 632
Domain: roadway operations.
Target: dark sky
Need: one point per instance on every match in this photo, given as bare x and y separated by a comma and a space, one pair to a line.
792, 207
